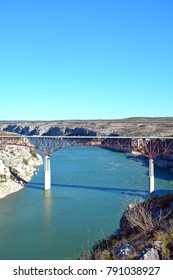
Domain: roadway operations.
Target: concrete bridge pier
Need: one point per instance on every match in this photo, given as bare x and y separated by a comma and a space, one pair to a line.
47, 173
151, 175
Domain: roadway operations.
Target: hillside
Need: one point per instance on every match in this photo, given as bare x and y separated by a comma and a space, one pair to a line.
145, 233
122, 127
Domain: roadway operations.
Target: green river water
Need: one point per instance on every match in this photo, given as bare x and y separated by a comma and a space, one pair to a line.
91, 187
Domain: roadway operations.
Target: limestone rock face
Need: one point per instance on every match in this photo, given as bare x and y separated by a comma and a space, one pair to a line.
123, 252
17, 166
123, 127
151, 254
4, 170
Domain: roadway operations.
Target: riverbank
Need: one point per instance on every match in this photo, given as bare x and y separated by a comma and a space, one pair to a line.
145, 233
7, 188
17, 166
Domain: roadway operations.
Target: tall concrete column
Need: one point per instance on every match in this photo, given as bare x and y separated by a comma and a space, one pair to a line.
47, 173
151, 175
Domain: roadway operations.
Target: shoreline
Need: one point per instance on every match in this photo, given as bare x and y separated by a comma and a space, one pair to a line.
12, 186
17, 167
7, 188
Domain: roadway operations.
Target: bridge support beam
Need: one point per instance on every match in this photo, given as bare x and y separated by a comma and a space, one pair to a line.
47, 173
151, 175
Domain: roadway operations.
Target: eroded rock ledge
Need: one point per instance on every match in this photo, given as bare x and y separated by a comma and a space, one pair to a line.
122, 127
17, 166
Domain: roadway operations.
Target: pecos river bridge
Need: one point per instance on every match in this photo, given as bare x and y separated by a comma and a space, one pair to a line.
150, 147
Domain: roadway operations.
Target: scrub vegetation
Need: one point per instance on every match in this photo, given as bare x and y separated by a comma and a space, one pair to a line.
146, 232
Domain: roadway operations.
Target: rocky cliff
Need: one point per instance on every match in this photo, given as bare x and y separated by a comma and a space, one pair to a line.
146, 233
122, 127
17, 166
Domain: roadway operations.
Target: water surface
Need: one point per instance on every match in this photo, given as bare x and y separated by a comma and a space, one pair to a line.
91, 187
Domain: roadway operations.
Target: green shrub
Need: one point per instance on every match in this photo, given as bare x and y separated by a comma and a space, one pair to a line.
106, 255
33, 153
2, 178
25, 161
167, 240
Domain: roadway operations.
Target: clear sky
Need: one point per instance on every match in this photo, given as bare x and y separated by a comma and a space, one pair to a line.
85, 59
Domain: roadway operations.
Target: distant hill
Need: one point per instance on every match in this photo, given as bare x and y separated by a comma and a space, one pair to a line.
139, 126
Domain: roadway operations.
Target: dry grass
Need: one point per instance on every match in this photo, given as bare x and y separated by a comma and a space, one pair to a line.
140, 216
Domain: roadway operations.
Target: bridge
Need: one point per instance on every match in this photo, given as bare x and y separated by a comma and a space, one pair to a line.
150, 147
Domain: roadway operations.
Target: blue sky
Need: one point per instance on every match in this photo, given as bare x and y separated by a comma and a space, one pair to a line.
85, 59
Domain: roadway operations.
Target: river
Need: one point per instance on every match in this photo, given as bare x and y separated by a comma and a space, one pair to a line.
91, 187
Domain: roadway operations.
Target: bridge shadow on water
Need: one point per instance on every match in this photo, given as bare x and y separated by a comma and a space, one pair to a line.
131, 192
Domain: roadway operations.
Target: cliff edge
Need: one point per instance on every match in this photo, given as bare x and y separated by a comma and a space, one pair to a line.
145, 233
17, 166
139, 126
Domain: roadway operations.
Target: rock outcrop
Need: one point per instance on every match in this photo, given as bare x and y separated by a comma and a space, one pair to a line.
165, 161
146, 233
122, 127
17, 166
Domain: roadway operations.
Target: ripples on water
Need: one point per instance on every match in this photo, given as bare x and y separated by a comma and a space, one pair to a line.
91, 187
